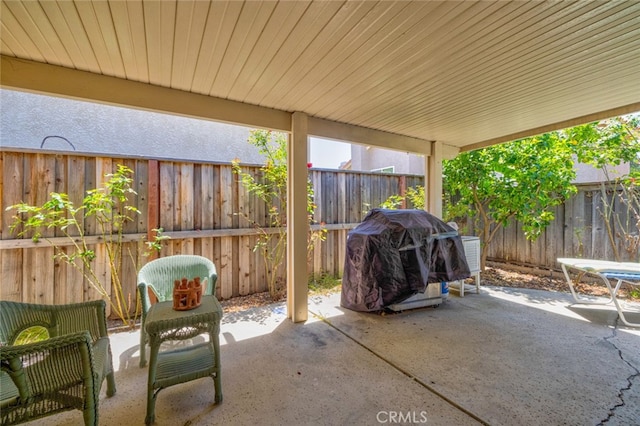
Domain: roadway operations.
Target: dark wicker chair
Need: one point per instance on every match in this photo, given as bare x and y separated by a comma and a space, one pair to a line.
155, 284
63, 372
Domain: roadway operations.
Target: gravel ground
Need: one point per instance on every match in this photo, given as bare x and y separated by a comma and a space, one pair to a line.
549, 282
245, 302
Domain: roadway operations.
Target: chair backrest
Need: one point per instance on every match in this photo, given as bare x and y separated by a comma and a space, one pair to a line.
15, 317
160, 274
58, 320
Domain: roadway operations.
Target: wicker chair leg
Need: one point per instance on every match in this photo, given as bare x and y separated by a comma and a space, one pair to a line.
143, 342
151, 407
218, 388
90, 415
111, 384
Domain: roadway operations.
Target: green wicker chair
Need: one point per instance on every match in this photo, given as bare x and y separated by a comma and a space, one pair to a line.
63, 372
155, 283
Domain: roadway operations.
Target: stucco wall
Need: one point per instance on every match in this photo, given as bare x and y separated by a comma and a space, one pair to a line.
26, 119
589, 174
369, 158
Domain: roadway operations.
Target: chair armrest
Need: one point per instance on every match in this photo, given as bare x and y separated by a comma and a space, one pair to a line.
55, 363
148, 296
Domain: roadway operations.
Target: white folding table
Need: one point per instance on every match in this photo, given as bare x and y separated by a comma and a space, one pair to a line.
623, 272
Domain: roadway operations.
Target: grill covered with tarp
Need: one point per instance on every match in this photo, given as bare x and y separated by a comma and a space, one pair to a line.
394, 254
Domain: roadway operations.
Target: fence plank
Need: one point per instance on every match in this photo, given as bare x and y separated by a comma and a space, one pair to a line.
316, 181
186, 196
553, 241
342, 250
12, 279
141, 186
29, 293
167, 191
235, 269
216, 183
131, 263
206, 194
329, 264
510, 241
244, 266
261, 267
101, 263
497, 247
226, 266
11, 193
523, 249
74, 282
42, 274
226, 198
579, 225
627, 221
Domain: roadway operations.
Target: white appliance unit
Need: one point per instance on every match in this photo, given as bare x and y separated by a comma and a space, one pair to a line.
472, 254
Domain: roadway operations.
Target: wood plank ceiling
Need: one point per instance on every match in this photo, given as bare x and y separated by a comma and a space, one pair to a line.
467, 73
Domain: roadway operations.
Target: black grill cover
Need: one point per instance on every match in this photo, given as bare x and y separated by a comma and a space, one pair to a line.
394, 254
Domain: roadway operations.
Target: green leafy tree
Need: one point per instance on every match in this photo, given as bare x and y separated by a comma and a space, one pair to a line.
520, 180
111, 210
606, 143
271, 187
610, 143
414, 195
525, 179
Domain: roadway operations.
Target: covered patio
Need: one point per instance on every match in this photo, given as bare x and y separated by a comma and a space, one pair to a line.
503, 357
433, 78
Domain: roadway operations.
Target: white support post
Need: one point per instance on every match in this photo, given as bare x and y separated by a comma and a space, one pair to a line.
433, 180
297, 221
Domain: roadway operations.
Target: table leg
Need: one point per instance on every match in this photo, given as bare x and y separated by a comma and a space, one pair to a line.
143, 354
217, 382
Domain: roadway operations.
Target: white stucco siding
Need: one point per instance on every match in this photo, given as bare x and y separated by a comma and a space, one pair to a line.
588, 174
370, 158
26, 119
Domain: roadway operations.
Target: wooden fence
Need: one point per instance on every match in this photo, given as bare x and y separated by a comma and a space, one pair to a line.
579, 230
200, 205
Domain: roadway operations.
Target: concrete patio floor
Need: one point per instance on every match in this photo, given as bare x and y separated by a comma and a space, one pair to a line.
503, 357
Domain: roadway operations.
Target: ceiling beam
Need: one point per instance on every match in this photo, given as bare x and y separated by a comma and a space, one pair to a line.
346, 132
54, 80
572, 122
37, 77
449, 152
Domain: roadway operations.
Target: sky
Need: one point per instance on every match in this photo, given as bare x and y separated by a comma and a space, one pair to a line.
328, 154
